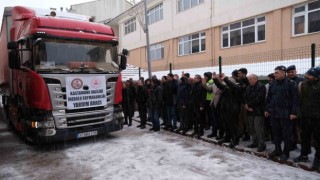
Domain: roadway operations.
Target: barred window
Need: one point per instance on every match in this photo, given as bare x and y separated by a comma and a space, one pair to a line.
306, 18
187, 4
245, 32
155, 14
156, 51
192, 44
130, 26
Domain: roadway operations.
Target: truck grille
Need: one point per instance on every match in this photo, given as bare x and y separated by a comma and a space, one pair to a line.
72, 118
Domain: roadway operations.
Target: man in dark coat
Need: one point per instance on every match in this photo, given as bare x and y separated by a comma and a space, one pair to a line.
169, 99
310, 116
141, 99
198, 96
229, 108
254, 103
183, 103
292, 74
282, 107
244, 124
127, 103
155, 103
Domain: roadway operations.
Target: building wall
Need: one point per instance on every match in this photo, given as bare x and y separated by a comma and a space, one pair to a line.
101, 9
172, 25
210, 17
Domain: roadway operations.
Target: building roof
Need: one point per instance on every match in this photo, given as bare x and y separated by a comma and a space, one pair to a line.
125, 13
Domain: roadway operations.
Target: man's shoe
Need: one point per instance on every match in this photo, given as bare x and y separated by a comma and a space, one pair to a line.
142, 126
151, 129
212, 135
284, 157
139, 125
194, 133
246, 138
262, 148
301, 158
252, 146
316, 164
223, 140
199, 135
184, 132
219, 137
276, 152
179, 129
156, 129
231, 145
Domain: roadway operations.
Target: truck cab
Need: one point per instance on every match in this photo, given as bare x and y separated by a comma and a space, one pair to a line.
64, 75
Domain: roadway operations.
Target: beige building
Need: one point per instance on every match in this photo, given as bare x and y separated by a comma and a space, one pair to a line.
194, 33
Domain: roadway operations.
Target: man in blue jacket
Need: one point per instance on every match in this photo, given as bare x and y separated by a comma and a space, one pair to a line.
282, 107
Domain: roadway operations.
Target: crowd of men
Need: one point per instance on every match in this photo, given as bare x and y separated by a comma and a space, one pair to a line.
234, 108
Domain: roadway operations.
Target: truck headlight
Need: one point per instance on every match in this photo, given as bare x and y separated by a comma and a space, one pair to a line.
46, 123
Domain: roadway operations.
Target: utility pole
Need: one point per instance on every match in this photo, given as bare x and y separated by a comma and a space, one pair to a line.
146, 30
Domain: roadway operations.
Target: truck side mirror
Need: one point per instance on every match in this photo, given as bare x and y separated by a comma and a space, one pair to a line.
12, 45
14, 60
38, 41
123, 60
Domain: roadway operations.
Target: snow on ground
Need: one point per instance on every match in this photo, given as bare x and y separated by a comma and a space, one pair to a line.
135, 154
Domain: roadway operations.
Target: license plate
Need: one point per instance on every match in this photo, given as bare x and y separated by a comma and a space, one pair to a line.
87, 134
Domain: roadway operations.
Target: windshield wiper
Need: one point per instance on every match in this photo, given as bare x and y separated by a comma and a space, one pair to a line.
55, 69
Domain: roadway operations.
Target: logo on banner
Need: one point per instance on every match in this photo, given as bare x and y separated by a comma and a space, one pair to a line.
79, 97
95, 83
76, 83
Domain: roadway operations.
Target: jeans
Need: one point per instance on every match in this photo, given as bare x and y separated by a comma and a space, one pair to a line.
171, 114
155, 119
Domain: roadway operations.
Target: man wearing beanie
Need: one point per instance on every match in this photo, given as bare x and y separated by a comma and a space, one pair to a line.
310, 116
282, 107
292, 74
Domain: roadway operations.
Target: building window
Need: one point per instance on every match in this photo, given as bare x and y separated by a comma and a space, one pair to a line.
245, 32
130, 26
187, 4
192, 44
306, 18
156, 51
155, 14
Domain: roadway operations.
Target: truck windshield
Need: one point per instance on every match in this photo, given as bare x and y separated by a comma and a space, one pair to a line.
57, 56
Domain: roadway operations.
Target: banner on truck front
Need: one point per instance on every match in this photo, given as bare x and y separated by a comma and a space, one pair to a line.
86, 92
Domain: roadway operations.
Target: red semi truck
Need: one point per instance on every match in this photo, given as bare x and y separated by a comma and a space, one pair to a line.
60, 75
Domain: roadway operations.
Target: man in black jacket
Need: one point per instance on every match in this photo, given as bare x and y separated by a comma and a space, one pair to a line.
127, 102
141, 99
229, 108
155, 103
169, 98
254, 103
292, 74
282, 107
198, 96
310, 116
182, 104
